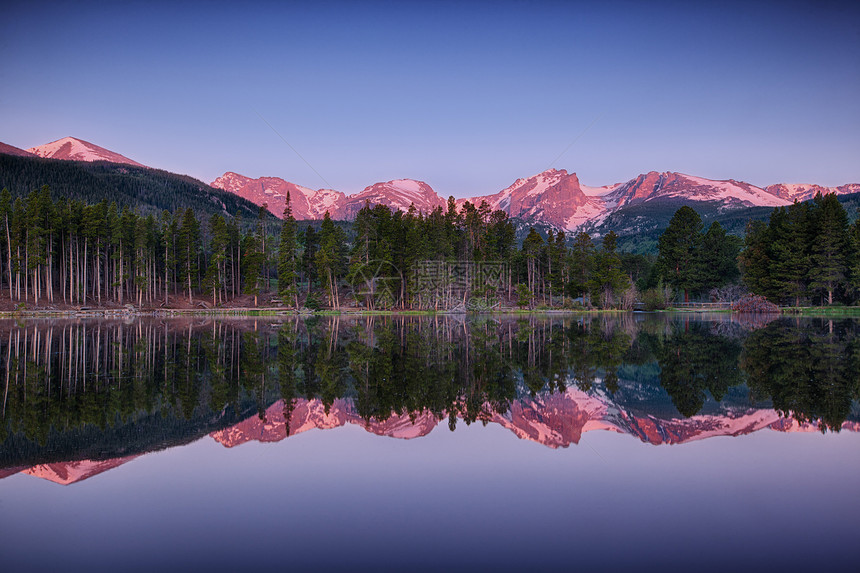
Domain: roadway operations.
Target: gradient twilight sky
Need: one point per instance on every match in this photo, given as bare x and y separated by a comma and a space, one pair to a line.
467, 96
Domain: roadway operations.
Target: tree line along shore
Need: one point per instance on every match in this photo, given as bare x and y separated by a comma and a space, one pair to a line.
68, 255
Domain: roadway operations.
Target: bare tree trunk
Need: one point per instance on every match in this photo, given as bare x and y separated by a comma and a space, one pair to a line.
85, 271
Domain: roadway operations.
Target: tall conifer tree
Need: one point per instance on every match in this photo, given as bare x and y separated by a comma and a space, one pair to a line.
287, 248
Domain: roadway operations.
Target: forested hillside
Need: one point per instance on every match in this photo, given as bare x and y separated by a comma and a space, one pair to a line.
639, 226
142, 189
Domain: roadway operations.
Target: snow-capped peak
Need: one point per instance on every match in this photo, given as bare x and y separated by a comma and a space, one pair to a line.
654, 185
73, 149
397, 194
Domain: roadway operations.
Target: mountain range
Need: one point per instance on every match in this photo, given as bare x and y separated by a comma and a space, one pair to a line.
554, 198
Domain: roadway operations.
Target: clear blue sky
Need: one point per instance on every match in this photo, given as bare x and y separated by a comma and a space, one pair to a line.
465, 96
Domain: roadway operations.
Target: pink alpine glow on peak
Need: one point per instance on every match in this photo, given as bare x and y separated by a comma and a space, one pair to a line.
398, 194
653, 185
806, 191
6, 472
553, 197
73, 149
555, 421
308, 204
66, 473
272, 191
311, 414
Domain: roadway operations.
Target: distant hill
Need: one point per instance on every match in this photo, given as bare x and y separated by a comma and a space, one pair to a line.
639, 226
142, 188
12, 150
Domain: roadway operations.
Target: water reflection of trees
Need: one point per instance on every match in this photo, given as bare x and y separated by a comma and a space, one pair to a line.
695, 360
808, 368
115, 385
69, 379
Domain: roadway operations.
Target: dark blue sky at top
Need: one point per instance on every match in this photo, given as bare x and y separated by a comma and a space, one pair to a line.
465, 96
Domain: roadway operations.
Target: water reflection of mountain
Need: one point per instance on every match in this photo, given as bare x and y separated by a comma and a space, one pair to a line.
81, 397
555, 420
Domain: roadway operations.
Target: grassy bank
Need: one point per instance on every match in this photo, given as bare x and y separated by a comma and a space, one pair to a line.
822, 310
826, 311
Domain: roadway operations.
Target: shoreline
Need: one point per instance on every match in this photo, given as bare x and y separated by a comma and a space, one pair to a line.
280, 311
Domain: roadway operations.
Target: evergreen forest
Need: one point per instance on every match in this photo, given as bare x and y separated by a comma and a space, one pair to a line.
58, 250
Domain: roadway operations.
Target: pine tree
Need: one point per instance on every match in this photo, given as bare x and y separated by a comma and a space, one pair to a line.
188, 245
754, 260
581, 258
678, 262
262, 237
790, 252
607, 280
556, 256
252, 265
35, 249
718, 257
829, 252
6, 215
130, 243
141, 268
311, 246
854, 238
287, 275
216, 271
532, 246
329, 257
168, 234
114, 247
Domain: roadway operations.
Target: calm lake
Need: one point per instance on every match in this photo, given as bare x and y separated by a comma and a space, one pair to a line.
646, 441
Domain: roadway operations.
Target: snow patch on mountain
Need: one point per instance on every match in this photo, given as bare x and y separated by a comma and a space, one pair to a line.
324, 200
409, 185
541, 182
734, 191
594, 211
598, 191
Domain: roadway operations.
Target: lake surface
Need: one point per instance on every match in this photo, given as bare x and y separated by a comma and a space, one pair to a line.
425, 443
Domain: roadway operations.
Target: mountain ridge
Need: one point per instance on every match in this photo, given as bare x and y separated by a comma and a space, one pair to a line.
144, 188
552, 199
7, 149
